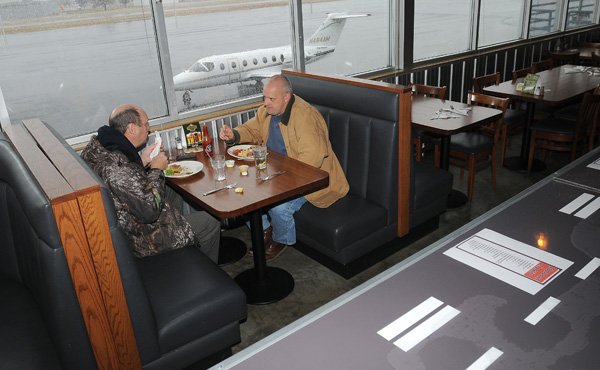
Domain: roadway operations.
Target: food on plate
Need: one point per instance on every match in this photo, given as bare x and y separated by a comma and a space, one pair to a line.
175, 169
243, 152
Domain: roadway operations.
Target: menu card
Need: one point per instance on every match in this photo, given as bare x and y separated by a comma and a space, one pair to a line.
529, 83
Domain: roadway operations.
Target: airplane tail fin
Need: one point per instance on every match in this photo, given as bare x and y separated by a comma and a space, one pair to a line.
328, 34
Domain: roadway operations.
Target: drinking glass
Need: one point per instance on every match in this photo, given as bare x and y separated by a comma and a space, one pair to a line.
218, 164
260, 157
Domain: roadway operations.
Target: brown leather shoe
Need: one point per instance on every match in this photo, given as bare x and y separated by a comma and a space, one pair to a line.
274, 250
267, 239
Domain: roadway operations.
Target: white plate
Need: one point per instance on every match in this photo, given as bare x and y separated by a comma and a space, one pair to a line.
189, 168
236, 148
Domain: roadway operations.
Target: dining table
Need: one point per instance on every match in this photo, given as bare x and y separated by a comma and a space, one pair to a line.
425, 116
262, 284
562, 86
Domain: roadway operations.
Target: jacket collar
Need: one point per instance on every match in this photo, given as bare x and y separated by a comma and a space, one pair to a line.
288, 110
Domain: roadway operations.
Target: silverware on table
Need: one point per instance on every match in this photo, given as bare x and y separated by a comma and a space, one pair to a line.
229, 186
269, 177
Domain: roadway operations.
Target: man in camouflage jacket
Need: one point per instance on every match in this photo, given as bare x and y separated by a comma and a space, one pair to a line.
137, 185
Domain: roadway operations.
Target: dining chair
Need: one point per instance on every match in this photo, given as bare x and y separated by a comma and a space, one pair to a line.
421, 137
562, 135
514, 119
543, 65
475, 150
560, 58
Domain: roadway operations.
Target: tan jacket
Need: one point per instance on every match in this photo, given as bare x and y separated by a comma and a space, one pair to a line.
306, 139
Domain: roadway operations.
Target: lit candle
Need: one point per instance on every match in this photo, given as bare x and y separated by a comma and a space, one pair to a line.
542, 242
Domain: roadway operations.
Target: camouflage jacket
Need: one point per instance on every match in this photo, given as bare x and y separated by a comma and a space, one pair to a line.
152, 225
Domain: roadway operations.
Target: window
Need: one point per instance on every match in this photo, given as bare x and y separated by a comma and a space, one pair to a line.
362, 44
222, 66
544, 17
273, 58
281, 58
72, 76
254, 61
500, 21
196, 29
265, 60
580, 13
442, 27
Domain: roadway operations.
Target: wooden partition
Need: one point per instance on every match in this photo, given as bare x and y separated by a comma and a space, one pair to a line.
81, 220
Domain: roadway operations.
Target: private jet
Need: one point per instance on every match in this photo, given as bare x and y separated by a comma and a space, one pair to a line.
256, 65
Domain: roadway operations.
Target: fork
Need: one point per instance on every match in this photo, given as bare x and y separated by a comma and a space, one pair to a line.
219, 189
269, 177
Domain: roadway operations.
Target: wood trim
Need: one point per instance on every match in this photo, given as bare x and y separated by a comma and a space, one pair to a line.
361, 82
404, 160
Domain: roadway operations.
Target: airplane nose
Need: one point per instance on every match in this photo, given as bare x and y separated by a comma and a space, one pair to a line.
178, 80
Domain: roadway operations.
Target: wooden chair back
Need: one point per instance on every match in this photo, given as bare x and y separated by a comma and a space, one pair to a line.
565, 57
589, 45
587, 119
543, 65
430, 91
479, 83
493, 129
518, 73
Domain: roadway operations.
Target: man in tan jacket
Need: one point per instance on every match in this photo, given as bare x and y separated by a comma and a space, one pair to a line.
289, 125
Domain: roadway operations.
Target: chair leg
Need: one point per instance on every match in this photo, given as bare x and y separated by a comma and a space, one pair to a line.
503, 145
493, 168
418, 149
531, 150
471, 180
437, 156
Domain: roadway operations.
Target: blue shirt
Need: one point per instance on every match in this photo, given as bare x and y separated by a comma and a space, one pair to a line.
275, 140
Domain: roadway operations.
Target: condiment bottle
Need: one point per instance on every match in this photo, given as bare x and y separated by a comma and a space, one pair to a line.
207, 143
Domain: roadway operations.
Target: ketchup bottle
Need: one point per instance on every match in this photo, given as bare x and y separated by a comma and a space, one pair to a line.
207, 142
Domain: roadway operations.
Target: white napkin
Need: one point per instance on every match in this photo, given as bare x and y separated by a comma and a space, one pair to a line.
158, 141
462, 111
576, 69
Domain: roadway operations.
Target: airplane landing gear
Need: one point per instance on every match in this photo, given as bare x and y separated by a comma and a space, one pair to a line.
187, 99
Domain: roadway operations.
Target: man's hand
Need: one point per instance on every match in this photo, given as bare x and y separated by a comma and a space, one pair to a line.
226, 133
160, 161
146, 154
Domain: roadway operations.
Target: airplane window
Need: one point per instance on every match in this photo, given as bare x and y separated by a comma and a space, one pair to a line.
209, 66
255, 61
222, 66
245, 63
198, 67
273, 58
281, 57
233, 65
265, 60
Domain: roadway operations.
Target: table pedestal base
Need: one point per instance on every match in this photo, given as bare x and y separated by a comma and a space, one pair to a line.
518, 164
456, 199
276, 285
231, 250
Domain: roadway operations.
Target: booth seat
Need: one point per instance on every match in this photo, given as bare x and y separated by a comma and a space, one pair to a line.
184, 310
392, 200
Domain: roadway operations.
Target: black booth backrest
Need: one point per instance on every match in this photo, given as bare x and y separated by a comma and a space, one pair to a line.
363, 130
34, 257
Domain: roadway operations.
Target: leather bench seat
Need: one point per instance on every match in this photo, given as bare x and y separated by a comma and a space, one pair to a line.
349, 219
24, 340
190, 298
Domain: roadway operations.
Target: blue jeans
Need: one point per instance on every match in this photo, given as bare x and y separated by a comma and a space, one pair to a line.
282, 219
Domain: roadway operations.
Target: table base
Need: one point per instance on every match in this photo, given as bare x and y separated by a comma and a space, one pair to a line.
518, 164
231, 250
456, 199
276, 285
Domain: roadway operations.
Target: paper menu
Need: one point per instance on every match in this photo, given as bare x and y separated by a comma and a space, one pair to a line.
509, 260
529, 83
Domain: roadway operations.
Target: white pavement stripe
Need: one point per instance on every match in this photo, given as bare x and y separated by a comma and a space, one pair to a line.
426, 328
486, 359
588, 269
576, 204
542, 310
586, 211
410, 318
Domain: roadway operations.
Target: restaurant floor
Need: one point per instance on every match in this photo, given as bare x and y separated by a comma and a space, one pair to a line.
317, 285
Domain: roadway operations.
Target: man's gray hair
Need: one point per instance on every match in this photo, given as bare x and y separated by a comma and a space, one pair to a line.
287, 86
120, 120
